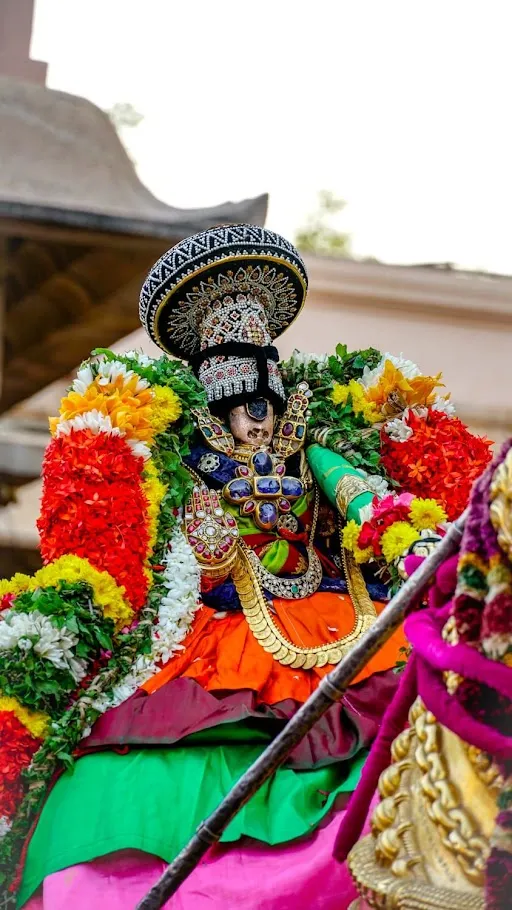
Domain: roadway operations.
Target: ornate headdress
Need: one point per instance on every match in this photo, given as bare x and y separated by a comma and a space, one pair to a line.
218, 299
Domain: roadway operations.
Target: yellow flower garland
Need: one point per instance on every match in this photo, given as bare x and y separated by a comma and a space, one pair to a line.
397, 539
15, 585
165, 408
107, 594
154, 491
34, 721
350, 537
426, 514
340, 395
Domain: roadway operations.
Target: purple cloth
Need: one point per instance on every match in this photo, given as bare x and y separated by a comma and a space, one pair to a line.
182, 707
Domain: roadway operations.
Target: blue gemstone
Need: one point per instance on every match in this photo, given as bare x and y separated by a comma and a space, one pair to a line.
262, 463
299, 430
266, 514
239, 489
292, 487
267, 486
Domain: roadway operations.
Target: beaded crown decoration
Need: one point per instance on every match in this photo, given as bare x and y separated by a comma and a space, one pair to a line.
224, 261
219, 299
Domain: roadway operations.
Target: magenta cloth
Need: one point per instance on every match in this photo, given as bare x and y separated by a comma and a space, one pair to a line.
450, 713
393, 722
423, 631
246, 876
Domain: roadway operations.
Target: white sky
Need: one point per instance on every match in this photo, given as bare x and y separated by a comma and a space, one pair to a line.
402, 107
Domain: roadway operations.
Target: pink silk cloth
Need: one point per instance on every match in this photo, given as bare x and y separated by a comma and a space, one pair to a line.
246, 876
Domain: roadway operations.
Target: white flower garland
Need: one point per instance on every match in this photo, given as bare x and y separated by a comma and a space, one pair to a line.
302, 359
5, 826
35, 631
105, 372
408, 369
175, 616
143, 359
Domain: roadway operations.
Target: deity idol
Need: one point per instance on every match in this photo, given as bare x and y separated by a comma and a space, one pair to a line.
217, 530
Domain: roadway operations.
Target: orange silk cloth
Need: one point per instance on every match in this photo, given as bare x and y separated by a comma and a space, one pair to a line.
222, 654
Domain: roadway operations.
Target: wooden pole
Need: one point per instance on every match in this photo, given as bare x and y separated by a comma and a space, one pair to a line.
331, 689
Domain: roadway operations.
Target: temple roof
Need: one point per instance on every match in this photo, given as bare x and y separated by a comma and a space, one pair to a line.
78, 232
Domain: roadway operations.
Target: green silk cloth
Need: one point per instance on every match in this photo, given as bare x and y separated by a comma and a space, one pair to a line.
329, 468
276, 555
154, 799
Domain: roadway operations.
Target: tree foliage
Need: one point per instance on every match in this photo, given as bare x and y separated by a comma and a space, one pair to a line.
123, 114
318, 235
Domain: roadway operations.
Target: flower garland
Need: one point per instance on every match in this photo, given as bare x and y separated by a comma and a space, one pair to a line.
48, 640
178, 586
393, 526
113, 486
17, 748
438, 455
482, 617
391, 422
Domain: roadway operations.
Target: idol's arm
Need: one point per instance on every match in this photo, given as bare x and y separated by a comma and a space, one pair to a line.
344, 486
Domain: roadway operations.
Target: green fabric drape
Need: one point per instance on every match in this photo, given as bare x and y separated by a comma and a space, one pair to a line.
153, 800
328, 468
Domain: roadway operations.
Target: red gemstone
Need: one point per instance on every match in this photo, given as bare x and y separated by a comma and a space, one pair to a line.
249, 507
284, 505
192, 541
280, 469
288, 429
216, 429
228, 540
243, 471
200, 547
218, 554
224, 547
230, 521
207, 555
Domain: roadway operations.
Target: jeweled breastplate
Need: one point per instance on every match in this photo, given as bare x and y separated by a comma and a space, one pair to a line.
262, 489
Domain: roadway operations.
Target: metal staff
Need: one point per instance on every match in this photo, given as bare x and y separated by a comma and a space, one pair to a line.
331, 689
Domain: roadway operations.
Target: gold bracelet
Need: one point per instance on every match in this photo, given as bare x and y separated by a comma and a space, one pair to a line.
347, 489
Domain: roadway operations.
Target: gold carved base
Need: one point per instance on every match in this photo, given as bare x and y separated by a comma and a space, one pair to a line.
431, 830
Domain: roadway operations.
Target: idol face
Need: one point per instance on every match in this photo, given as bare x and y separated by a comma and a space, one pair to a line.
252, 424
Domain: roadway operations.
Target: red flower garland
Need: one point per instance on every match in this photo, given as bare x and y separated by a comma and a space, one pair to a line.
93, 506
17, 746
441, 459
497, 616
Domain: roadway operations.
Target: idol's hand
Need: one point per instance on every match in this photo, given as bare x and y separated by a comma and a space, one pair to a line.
211, 532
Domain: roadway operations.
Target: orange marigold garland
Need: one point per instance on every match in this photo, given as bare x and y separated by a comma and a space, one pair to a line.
441, 459
94, 506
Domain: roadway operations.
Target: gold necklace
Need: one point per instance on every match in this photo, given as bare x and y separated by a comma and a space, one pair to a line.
264, 629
